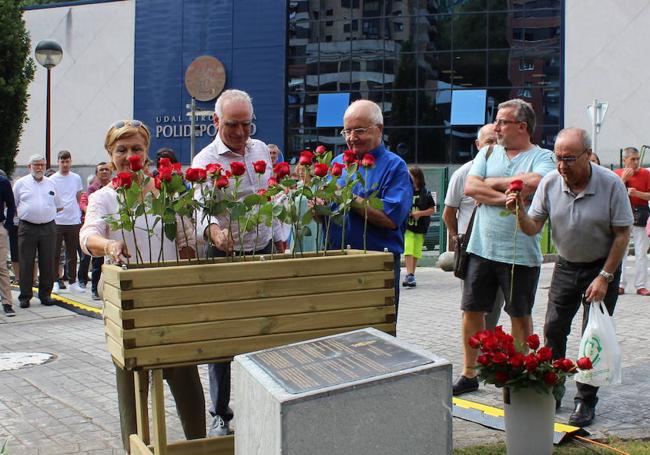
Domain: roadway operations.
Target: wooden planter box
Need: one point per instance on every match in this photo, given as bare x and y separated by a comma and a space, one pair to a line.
199, 313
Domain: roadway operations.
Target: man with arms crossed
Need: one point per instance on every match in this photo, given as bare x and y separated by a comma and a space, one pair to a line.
491, 245
588, 209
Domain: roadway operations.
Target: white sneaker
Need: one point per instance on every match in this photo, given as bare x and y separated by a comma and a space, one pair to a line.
55, 288
76, 288
218, 427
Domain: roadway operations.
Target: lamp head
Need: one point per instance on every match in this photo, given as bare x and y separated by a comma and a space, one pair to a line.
48, 53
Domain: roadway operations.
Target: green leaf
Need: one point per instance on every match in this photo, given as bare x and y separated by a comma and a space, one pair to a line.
307, 217
306, 231
376, 203
323, 210
170, 230
505, 213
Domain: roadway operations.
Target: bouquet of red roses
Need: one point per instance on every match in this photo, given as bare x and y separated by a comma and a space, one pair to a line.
503, 362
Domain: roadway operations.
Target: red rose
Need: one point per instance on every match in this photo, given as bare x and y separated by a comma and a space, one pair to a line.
272, 181
237, 168
177, 167
222, 182
320, 169
490, 344
501, 377
499, 357
567, 365
261, 192
157, 183
368, 161
550, 378
164, 162
531, 362
123, 180
195, 174
474, 342
337, 169
135, 163
306, 158
281, 170
259, 166
517, 360
165, 173
516, 186
213, 169
533, 341
349, 157
544, 354
320, 150
584, 363
483, 360
483, 335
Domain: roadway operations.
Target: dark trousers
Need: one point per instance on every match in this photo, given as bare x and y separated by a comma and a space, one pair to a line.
219, 373
568, 285
84, 266
96, 272
69, 233
186, 388
33, 238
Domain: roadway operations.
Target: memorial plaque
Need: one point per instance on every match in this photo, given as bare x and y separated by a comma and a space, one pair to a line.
205, 78
333, 361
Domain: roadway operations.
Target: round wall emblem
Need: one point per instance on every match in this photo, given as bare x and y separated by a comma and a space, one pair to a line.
205, 78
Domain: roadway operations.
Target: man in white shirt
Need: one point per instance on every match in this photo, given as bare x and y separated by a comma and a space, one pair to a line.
37, 203
233, 118
68, 221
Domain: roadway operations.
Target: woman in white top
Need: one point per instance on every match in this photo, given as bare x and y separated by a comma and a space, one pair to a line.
125, 139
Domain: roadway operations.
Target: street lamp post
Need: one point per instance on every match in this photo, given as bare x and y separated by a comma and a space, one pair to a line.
48, 54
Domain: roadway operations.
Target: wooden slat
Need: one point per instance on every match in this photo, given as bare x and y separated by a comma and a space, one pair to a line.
112, 312
223, 445
229, 272
155, 297
158, 412
185, 333
112, 330
217, 311
116, 350
142, 405
204, 351
138, 447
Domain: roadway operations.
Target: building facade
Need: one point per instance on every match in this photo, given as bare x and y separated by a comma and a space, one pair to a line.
438, 68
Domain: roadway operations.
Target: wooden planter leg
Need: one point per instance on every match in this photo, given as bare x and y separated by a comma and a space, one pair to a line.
142, 404
158, 411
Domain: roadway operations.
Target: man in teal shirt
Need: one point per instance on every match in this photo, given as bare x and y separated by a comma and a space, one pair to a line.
492, 246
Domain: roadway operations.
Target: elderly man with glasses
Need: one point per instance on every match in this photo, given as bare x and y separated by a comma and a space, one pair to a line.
591, 217
637, 181
491, 248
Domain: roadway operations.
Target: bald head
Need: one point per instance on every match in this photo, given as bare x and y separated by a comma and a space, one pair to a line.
486, 136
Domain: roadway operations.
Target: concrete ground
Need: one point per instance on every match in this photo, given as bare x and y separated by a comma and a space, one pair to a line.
68, 405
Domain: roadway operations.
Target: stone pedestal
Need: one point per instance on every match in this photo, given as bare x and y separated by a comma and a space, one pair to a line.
300, 399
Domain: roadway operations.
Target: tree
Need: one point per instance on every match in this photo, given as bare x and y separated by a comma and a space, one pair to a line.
16, 72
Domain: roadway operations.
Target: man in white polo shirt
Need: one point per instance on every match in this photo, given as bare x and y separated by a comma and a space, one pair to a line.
591, 217
68, 221
37, 203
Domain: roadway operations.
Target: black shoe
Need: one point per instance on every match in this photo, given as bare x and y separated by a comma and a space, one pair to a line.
465, 385
47, 301
9, 311
95, 296
558, 405
24, 304
582, 415
62, 284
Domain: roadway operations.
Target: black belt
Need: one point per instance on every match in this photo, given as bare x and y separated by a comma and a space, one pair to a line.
585, 265
36, 224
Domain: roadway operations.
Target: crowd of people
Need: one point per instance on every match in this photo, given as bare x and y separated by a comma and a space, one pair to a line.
590, 208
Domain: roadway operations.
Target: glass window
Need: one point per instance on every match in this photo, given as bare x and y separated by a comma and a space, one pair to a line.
403, 107
499, 69
469, 31
469, 69
438, 32
433, 145
401, 141
498, 30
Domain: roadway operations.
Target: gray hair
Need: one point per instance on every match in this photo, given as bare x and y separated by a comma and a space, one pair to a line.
273, 146
376, 116
232, 95
584, 136
36, 157
627, 151
523, 113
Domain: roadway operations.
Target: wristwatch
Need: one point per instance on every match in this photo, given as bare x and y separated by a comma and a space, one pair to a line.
609, 277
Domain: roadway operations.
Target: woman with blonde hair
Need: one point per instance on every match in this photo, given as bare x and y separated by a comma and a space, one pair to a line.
125, 139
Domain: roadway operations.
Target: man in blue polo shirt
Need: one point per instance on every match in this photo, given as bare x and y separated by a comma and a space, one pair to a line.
363, 124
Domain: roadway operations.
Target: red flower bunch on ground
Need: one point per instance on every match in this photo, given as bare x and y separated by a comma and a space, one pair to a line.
503, 363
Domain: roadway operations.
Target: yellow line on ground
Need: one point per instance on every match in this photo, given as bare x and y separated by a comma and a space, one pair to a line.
497, 412
74, 303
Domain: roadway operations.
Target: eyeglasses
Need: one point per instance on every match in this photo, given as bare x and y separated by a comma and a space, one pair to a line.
123, 123
234, 124
356, 131
568, 160
502, 122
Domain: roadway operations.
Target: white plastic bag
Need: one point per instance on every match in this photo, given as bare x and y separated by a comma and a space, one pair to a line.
600, 345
